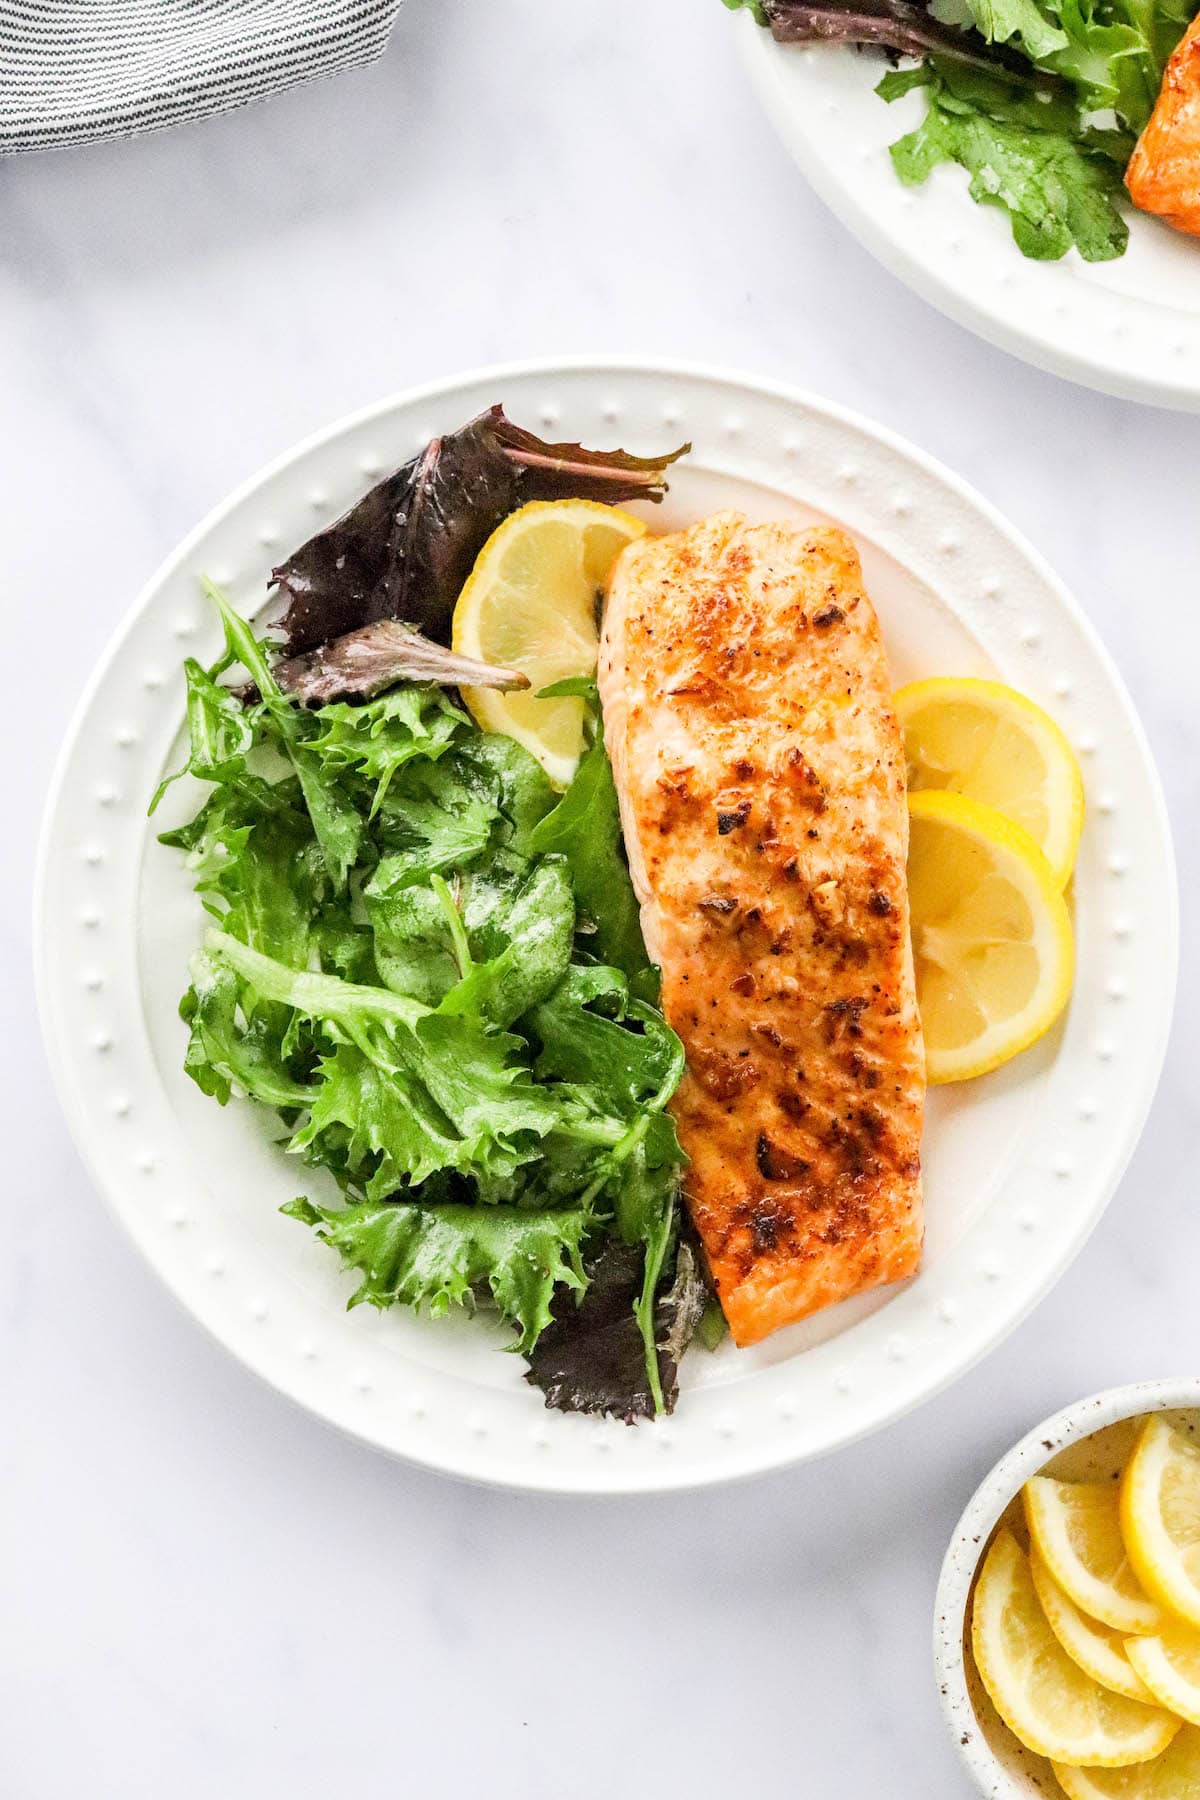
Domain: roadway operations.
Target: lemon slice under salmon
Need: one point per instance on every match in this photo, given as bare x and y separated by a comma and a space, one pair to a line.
531, 603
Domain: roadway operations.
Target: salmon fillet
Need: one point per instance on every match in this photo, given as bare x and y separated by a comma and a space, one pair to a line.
748, 714
1163, 176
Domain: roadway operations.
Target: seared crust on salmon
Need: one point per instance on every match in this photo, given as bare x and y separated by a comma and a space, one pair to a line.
1163, 176
748, 714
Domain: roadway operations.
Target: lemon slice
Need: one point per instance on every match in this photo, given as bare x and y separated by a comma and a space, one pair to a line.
1045, 1698
1160, 1516
531, 603
1169, 1666
1175, 1775
991, 936
1076, 1531
990, 743
1099, 1651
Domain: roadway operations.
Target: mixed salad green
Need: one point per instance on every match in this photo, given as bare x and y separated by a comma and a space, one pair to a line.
428, 963
1041, 101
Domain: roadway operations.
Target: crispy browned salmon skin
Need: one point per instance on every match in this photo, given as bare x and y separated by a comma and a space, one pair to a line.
748, 714
1163, 176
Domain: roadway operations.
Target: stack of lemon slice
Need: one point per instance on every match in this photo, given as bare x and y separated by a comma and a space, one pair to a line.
1089, 1641
995, 810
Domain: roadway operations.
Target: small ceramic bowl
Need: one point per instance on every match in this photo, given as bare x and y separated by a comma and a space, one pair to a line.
1088, 1441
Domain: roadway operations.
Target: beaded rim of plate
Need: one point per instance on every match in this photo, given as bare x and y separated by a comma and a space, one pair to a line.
129, 1110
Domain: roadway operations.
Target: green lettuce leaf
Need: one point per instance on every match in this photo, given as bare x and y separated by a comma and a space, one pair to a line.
583, 1030
1116, 51
1059, 187
436, 817
585, 827
522, 789
414, 947
436, 1256
1019, 22
464, 1084
405, 973
229, 1047
538, 926
219, 733
375, 741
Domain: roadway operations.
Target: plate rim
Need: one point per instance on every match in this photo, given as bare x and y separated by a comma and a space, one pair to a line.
626, 1479
757, 50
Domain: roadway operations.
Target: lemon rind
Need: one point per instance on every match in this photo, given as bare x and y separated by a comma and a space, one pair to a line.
1055, 1601
1139, 1490
1149, 1658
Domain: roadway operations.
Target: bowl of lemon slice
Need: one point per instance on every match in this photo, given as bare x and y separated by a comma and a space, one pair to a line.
1067, 1633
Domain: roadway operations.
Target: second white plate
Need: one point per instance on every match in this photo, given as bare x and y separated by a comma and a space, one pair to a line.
1129, 327
1018, 1166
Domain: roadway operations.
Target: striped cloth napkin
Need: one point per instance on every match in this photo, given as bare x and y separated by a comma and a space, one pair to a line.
74, 70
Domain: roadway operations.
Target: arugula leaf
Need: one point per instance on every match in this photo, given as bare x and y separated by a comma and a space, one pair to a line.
1017, 21
1058, 188
627, 1070
437, 1255
1116, 51
585, 827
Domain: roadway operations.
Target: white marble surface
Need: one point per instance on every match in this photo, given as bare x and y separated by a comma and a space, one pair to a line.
204, 1592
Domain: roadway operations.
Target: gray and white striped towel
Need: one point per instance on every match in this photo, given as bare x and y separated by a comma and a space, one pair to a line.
73, 70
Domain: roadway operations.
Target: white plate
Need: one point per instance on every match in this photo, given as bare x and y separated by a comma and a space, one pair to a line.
1129, 327
1018, 1166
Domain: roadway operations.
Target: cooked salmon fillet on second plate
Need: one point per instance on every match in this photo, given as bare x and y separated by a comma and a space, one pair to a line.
1163, 176
748, 714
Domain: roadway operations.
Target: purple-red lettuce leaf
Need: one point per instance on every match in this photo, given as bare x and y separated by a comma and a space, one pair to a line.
361, 664
405, 549
591, 1357
908, 28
